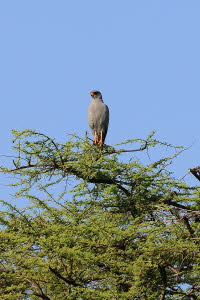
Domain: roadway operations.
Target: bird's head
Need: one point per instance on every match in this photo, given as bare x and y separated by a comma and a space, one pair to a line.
96, 94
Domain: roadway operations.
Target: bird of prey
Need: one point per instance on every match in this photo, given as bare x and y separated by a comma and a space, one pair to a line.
98, 118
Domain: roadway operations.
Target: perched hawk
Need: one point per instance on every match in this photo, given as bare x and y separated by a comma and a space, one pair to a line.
98, 118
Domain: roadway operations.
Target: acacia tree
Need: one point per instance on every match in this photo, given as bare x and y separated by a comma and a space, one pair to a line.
96, 225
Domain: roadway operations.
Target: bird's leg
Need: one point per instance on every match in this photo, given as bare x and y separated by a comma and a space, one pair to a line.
95, 141
100, 142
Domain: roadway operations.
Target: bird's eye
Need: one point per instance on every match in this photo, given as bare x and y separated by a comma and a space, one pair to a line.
95, 93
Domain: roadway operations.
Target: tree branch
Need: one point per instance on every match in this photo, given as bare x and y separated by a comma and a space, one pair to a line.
124, 150
175, 270
191, 231
73, 171
164, 281
38, 289
69, 281
173, 291
196, 172
173, 203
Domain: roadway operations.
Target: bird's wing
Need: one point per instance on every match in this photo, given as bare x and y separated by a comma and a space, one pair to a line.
106, 121
91, 115
106, 116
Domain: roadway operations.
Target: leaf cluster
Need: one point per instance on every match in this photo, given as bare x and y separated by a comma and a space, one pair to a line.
97, 226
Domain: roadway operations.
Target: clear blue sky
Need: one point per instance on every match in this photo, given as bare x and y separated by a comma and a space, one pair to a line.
144, 56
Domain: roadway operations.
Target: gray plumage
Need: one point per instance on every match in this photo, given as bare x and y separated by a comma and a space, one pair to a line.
98, 118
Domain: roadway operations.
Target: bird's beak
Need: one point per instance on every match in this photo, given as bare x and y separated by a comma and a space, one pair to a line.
92, 94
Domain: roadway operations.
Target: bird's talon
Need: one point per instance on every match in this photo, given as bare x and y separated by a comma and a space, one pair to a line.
100, 143
95, 141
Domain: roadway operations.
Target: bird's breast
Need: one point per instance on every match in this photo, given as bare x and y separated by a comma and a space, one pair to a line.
97, 114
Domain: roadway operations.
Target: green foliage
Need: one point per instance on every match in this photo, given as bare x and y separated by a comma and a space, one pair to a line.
96, 225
